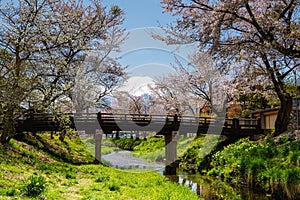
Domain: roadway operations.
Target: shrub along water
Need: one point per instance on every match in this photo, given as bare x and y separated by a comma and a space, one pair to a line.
265, 164
272, 166
126, 143
152, 149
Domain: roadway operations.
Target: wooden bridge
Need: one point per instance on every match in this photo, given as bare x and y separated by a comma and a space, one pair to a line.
164, 124
170, 126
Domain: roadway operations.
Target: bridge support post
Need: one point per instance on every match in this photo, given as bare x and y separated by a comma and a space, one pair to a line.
117, 135
235, 122
171, 153
98, 141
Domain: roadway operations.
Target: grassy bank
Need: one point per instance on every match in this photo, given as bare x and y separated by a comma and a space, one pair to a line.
62, 170
272, 166
152, 149
269, 165
106, 147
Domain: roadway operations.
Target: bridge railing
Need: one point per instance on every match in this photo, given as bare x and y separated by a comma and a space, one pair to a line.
170, 121
84, 117
241, 123
40, 117
156, 118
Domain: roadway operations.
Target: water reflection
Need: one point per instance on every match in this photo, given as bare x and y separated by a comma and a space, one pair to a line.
205, 187
123, 160
211, 188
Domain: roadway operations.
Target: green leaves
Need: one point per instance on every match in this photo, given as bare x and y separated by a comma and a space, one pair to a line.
273, 166
43, 45
34, 186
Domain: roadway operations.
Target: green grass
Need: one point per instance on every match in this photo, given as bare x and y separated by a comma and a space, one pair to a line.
106, 147
72, 177
273, 166
152, 149
126, 143
265, 164
195, 154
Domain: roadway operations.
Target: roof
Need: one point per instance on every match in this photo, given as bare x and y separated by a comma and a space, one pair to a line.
267, 111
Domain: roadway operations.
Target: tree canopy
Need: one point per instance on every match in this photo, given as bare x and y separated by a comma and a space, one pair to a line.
43, 44
259, 37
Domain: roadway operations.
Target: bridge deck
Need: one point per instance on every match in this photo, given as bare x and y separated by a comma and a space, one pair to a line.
162, 124
167, 123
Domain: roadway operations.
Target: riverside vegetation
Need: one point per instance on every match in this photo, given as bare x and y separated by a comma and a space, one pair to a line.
152, 149
37, 167
271, 165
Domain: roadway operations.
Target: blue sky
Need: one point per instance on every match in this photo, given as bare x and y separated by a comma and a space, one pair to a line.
141, 49
141, 53
145, 57
141, 13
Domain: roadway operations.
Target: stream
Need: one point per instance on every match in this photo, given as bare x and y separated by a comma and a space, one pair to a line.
123, 160
204, 186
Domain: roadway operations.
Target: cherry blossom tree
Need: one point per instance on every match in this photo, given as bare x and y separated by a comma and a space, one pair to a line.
43, 43
247, 34
100, 73
174, 94
253, 90
195, 85
123, 102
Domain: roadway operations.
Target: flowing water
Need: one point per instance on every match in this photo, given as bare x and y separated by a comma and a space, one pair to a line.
205, 187
212, 188
123, 160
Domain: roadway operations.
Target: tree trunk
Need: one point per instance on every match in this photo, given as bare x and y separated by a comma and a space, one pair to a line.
62, 135
286, 100
9, 129
283, 117
4, 136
